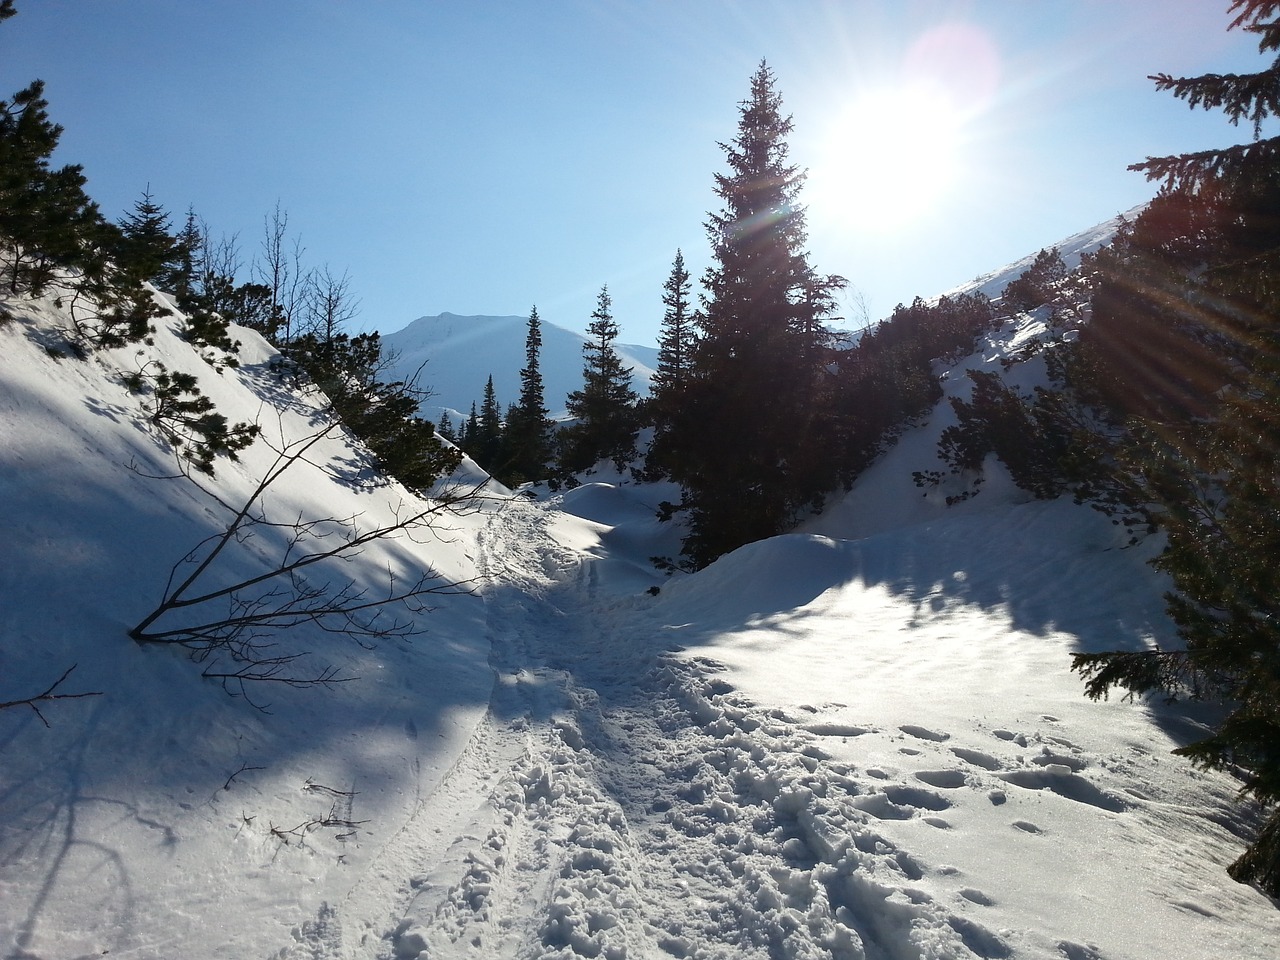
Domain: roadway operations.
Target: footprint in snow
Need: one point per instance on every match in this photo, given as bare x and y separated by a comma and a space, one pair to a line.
1077, 951
835, 729
977, 896
1018, 738
1060, 779
1049, 759
916, 797
924, 733
1026, 826
879, 805
977, 758
945, 779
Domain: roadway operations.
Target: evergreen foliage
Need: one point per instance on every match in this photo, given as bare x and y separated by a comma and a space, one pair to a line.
676, 344
1035, 286
1184, 340
486, 443
887, 378
604, 409
757, 395
527, 437
470, 427
146, 249
186, 418
47, 221
382, 414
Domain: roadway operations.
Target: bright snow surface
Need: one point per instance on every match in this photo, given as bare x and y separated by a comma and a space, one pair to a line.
861, 740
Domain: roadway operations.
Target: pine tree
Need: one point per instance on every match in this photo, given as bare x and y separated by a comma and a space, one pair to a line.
528, 431
1193, 292
146, 249
445, 427
747, 444
676, 343
469, 431
182, 276
47, 220
486, 442
605, 407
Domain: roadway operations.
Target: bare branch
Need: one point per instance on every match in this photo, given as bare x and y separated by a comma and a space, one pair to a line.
49, 694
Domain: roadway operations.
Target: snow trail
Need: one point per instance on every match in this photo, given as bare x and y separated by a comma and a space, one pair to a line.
649, 810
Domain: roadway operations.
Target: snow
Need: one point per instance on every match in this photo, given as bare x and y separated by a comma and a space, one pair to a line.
1071, 249
859, 740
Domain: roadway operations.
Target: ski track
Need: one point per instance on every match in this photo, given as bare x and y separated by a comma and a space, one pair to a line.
609, 783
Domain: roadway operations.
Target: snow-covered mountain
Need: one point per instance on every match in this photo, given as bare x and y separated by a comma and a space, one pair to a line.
461, 353
859, 741
1071, 250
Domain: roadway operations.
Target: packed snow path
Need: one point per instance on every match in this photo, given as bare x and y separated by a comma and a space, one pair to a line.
640, 809
620, 800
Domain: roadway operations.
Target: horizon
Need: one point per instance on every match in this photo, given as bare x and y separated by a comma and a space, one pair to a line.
485, 160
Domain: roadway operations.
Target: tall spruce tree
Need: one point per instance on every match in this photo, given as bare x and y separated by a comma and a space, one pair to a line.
1186, 338
745, 444
183, 275
146, 248
469, 430
676, 343
528, 432
445, 427
605, 407
486, 442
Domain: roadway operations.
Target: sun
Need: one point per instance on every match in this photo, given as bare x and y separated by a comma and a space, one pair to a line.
888, 157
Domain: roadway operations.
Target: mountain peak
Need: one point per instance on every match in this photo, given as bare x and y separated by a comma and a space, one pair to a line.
462, 352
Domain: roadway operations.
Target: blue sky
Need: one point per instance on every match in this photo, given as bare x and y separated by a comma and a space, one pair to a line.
480, 157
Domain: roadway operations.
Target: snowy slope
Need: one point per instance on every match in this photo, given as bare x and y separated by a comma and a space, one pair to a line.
140, 821
462, 352
1071, 249
860, 740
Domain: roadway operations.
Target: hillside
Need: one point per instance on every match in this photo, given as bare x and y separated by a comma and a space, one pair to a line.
461, 353
860, 740
1070, 249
